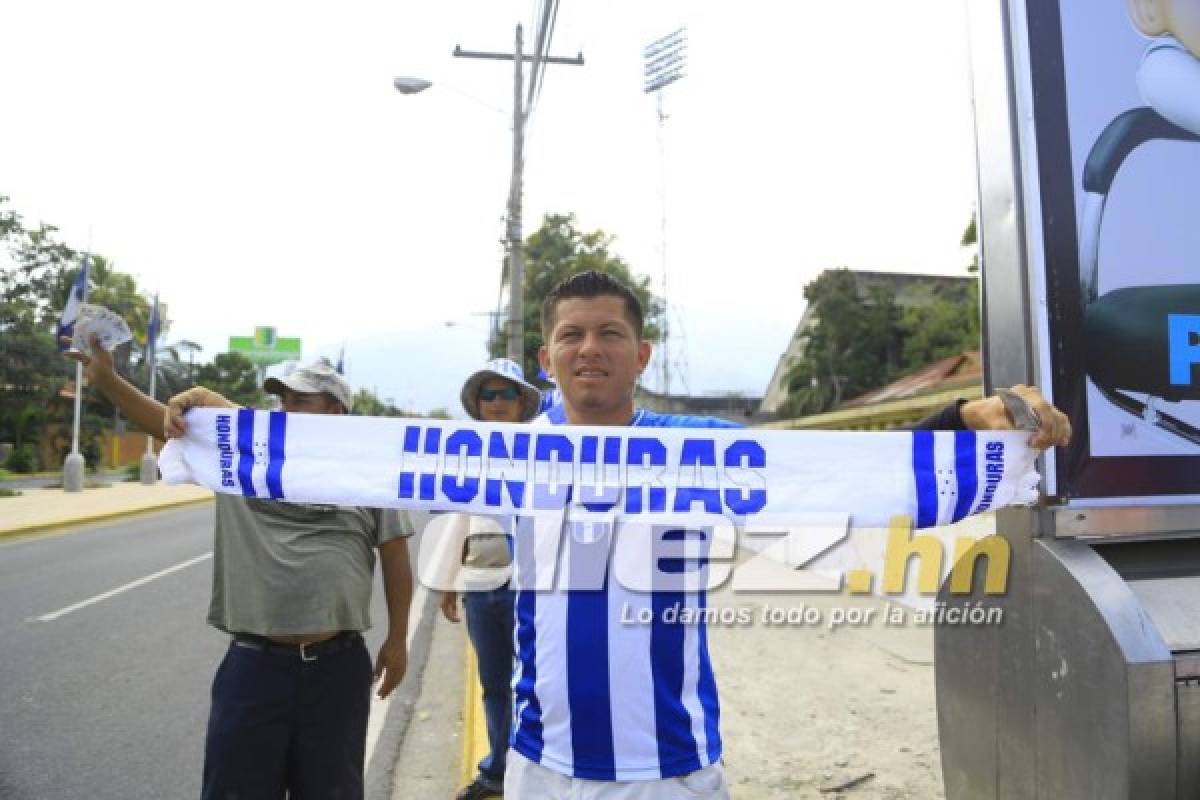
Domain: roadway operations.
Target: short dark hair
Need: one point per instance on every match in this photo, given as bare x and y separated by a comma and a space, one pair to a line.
591, 283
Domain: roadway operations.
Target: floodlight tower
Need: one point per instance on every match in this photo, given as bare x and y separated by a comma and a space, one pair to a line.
664, 60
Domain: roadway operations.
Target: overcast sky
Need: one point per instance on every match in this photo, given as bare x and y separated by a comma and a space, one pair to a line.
251, 162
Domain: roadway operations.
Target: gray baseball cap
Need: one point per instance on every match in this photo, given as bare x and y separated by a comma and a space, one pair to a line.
314, 378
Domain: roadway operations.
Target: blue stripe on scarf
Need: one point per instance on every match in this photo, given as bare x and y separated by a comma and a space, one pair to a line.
965, 470
276, 436
924, 473
245, 445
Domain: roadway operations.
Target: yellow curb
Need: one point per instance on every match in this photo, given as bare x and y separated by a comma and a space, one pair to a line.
73, 522
475, 741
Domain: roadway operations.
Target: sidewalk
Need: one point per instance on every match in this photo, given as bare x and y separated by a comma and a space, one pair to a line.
42, 509
805, 710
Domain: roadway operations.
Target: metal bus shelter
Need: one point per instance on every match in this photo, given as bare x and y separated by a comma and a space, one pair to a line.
1090, 688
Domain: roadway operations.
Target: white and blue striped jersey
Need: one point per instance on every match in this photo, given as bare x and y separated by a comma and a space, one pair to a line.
600, 698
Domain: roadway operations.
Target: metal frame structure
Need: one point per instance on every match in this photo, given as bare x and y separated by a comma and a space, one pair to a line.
664, 63
1091, 686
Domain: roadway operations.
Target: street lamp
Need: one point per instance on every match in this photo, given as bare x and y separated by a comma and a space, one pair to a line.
410, 85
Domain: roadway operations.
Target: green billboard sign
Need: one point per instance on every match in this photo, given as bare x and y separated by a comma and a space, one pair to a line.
264, 348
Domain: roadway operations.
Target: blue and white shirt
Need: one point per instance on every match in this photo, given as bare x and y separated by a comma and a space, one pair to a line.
600, 697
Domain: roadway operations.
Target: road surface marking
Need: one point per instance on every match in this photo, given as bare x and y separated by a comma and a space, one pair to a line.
62, 612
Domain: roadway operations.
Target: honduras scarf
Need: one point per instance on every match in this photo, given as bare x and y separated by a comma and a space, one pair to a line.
934, 477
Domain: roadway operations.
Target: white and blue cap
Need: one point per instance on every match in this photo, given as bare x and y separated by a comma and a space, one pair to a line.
531, 398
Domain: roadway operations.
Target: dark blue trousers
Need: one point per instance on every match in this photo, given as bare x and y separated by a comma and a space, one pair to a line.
284, 727
490, 623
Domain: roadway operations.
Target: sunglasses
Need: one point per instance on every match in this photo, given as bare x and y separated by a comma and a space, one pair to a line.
507, 393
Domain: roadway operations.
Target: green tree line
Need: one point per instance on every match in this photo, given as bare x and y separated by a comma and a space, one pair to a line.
863, 339
37, 271
557, 250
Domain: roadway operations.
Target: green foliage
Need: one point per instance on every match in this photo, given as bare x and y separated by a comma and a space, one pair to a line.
22, 459
970, 238
860, 343
853, 348
945, 323
31, 370
32, 262
235, 377
36, 274
556, 251
367, 404
174, 373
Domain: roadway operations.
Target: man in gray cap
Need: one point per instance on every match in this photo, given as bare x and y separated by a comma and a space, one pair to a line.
292, 586
317, 384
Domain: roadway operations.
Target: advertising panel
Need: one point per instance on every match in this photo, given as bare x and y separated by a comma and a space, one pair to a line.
265, 348
1113, 168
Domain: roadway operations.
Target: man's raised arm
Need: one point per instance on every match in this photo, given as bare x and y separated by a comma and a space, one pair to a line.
159, 420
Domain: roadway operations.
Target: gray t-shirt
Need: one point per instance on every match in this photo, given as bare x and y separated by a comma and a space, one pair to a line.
292, 568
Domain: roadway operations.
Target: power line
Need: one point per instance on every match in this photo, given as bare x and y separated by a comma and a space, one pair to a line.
513, 265
541, 50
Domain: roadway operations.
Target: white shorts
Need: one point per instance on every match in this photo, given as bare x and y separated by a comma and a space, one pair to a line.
525, 780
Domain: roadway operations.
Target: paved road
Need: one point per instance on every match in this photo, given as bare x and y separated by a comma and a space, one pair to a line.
109, 700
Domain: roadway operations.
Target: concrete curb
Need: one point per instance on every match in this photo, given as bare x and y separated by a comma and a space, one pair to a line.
378, 777
39, 527
475, 744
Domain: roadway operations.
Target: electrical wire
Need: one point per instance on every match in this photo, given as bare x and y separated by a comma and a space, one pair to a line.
541, 52
549, 38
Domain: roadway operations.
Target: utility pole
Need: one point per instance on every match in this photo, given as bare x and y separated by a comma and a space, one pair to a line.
513, 232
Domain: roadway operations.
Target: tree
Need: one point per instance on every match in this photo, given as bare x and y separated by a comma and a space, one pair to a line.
37, 272
368, 404
556, 251
173, 373
970, 238
945, 321
234, 376
31, 369
853, 347
943, 324
862, 339
30, 270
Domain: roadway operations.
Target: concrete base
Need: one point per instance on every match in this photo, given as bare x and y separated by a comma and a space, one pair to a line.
73, 473
149, 472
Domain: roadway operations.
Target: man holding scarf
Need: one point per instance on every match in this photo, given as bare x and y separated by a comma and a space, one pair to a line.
604, 710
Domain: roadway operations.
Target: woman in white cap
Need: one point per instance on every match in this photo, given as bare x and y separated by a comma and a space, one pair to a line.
496, 393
